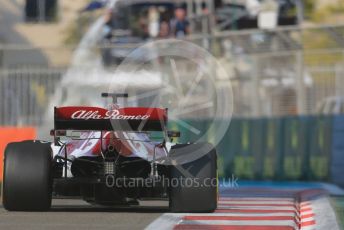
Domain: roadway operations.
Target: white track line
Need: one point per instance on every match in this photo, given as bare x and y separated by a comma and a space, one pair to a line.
229, 207
256, 202
238, 210
249, 199
290, 223
287, 214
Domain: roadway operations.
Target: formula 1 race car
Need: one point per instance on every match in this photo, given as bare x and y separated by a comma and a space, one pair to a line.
113, 157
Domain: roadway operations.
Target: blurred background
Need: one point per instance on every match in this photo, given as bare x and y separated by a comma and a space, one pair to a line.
283, 58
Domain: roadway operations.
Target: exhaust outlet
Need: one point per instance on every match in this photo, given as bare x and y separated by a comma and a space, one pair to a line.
111, 148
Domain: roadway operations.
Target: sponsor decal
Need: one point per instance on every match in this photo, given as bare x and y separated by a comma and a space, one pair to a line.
111, 114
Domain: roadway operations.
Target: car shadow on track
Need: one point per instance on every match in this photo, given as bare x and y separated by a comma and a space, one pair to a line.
108, 209
75, 208
66, 205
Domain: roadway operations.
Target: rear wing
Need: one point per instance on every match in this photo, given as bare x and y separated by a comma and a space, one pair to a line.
100, 119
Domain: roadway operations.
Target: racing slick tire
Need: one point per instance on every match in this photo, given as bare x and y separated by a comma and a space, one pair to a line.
201, 173
27, 176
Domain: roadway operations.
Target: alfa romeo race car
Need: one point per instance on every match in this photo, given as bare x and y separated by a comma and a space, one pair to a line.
110, 156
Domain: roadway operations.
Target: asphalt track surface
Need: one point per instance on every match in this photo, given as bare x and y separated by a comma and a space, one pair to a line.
281, 207
76, 214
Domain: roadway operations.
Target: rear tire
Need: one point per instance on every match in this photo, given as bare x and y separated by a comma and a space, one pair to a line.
202, 195
27, 181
